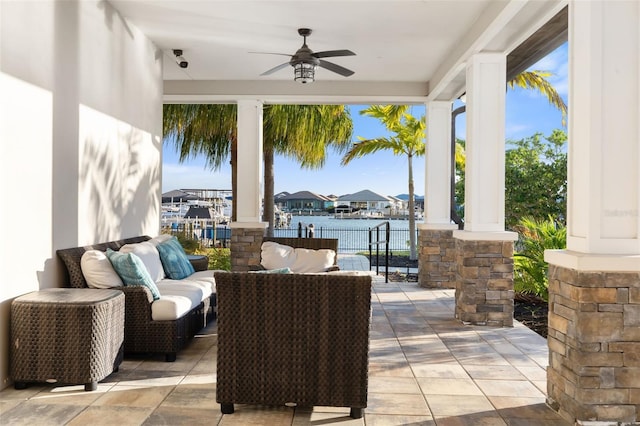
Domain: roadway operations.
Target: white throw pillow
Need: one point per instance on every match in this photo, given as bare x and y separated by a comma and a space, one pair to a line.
149, 255
98, 271
277, 256
299, 260
308, 260
160, 239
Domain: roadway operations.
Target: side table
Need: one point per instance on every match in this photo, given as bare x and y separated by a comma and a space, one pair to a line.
66, 335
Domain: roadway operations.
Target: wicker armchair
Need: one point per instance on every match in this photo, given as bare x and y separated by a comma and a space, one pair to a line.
293, 338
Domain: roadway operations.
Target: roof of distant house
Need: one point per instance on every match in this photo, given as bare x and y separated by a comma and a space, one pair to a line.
364, 195
198, 212
305, 195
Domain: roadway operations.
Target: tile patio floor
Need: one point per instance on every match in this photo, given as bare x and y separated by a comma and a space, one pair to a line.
425, 368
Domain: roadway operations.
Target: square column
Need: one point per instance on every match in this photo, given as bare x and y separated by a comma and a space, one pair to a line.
436, 266
484, 277
484, 170
250, 163
594, 285
247, 232
484, 250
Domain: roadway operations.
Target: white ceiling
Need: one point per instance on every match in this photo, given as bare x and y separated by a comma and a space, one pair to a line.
404, 49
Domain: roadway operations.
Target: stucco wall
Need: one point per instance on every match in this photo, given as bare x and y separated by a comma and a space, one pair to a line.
80, 139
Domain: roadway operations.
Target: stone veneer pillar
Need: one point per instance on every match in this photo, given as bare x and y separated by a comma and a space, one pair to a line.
484, 281
437, 258
246, 240
594, 345
594, 285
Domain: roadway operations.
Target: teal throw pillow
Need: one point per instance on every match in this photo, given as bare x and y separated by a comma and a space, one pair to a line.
174, 260
132, 271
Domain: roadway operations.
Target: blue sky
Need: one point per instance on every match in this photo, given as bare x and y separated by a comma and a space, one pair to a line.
527, 113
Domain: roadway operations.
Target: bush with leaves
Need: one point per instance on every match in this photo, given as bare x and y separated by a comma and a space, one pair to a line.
530, 269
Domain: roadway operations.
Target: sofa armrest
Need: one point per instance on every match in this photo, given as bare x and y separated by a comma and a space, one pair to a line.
200, 262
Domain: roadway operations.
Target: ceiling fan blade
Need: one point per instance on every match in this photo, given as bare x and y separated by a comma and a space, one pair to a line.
274, 69
331, 53
335, 68
272, 53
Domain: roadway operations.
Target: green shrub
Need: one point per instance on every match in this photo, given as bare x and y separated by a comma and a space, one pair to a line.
219, 258
530, 269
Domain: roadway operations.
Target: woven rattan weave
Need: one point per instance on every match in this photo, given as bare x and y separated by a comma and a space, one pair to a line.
66, 335
142, 334
293, 338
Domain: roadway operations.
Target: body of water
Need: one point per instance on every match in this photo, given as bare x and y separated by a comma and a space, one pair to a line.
352, 234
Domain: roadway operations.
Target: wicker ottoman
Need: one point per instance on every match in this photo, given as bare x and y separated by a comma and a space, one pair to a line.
66, 335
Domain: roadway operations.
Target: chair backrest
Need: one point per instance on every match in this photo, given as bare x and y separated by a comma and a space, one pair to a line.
308, 243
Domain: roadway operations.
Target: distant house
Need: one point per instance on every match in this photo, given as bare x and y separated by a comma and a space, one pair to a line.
304, 200
366, 200
397, 205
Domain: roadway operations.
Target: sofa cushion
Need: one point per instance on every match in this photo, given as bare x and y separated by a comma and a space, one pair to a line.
174, 259
150, 257
170, 307
192, 291
132, 271
160, 239
299, 260
204, 279
98, 271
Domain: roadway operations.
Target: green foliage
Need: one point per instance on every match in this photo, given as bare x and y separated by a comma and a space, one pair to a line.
536, 179
190, 245
530, 269
219, 258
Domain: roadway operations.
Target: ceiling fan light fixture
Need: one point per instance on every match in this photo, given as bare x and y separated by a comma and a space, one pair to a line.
304, 72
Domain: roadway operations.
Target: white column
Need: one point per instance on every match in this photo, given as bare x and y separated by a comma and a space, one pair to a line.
604, 128
484, 173
249, 165
438, 167
603, 200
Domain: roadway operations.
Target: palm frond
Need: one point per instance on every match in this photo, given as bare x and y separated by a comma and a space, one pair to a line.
537, 80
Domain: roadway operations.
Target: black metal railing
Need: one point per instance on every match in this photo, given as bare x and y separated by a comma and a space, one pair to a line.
376, 239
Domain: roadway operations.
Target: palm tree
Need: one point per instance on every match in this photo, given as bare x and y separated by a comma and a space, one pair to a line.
301, 132
209, 130
537, 80
408, 139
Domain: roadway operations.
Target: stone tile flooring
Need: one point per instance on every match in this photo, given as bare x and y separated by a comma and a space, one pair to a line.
425, 369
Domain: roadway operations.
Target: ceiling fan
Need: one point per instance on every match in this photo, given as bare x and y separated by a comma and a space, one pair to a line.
305, 61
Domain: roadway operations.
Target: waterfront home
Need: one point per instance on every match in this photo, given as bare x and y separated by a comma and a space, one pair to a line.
367, 202
305, 201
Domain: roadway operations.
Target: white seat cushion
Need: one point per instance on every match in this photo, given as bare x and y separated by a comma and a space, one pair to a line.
170, 307
192, 291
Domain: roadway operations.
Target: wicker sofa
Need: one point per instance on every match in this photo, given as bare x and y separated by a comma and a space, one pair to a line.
293, 338
142, 334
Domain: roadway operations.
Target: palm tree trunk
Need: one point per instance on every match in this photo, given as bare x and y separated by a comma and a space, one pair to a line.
412, 214
267, 210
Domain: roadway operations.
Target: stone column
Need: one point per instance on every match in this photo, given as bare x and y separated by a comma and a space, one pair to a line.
437, 248
594, 285
484, 251
248, 230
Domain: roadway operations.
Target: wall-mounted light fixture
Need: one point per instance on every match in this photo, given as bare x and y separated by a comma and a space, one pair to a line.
182, 62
